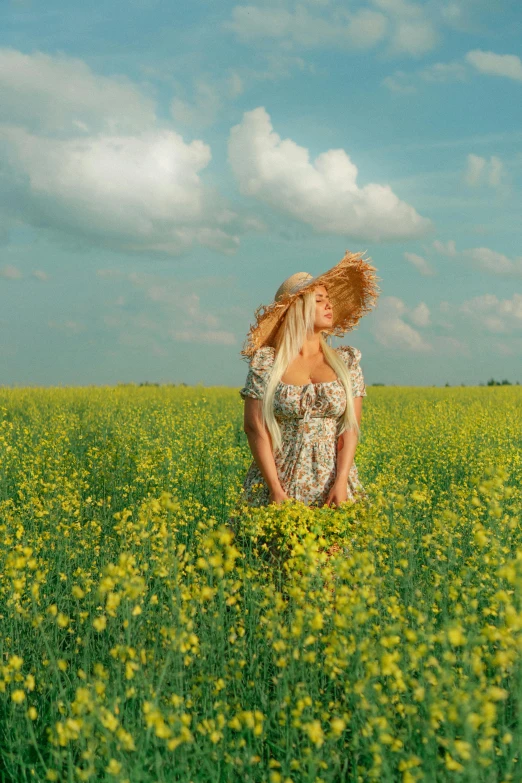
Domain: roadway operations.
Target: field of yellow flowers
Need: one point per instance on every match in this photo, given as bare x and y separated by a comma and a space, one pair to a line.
142, 640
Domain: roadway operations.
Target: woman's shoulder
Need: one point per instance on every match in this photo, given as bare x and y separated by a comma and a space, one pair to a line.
263, 358
349, 353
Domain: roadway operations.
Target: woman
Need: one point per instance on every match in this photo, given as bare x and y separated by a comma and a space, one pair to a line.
303, 398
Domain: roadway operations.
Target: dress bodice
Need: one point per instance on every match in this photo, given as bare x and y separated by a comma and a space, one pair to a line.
308, 417
318, 399
312, 400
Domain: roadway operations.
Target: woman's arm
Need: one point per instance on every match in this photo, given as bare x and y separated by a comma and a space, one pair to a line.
261, 444
347, 444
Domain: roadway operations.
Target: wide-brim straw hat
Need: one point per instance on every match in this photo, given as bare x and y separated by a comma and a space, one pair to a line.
352, 289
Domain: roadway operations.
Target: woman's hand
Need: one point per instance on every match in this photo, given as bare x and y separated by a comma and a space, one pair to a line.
338, 494
278, 496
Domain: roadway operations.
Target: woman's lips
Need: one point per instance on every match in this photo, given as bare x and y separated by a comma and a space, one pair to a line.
328, 315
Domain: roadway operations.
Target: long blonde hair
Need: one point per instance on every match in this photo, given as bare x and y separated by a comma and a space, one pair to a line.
296, 325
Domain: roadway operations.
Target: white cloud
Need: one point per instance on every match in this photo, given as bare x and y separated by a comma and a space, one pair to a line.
324, 194
452, 346
392, 331
508, 65
180, 316
366, 28
111, 175
420, 263
496, 171
413, 32
444, 72
61, 93
359, 30
447, 249
406, 26
134, 193
210, 97
399, 82
420, 315
494, 314
414, 37
477, 167
202, 111
491, 261
483, 258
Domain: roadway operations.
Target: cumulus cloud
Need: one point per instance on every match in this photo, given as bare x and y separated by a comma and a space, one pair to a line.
492, 261
444, 72
494, 314
483, 258
507, 65
407, 27
478, 170
414, 37
361, 29
412, 30
136, 193
391, 330
420, 263
475, 168
208, 100
399, 82
61, 93
180, 316
447, 249
323, 193
110, 175
420, 315
202, 111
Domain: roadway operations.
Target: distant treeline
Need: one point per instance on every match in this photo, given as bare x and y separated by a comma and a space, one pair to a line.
491, 382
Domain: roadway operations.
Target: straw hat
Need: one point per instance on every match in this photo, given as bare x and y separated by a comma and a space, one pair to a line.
352, 289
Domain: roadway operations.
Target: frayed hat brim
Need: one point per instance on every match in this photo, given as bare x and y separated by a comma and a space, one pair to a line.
352, 290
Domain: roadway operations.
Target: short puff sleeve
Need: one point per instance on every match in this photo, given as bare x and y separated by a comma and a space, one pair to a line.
258, 373
352, 356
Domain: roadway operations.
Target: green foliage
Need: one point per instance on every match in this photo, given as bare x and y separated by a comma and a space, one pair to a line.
142, 641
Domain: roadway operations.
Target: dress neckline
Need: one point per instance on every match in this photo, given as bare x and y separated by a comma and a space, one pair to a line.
304, 385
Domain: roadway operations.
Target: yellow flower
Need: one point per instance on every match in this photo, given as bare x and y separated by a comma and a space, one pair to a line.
456, 636
18, 696
315, 732
29, 682
337, 726
114, 767
100, 623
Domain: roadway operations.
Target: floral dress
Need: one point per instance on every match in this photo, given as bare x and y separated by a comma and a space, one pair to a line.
308, 417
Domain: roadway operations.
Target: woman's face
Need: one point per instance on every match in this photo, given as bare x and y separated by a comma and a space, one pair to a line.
323, 308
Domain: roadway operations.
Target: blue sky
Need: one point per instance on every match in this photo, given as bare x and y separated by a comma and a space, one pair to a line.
164, 167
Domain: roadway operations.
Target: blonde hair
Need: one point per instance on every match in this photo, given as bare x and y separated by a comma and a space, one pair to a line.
296, 325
